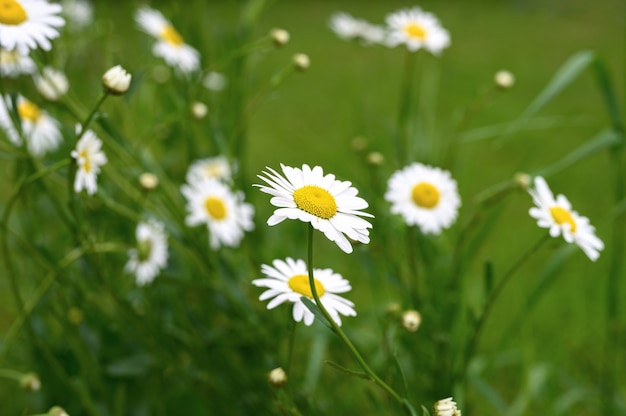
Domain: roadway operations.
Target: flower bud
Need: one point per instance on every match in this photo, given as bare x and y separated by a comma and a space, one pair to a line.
504, 80
359, 144
116, 80
57, 411
375, 158
30, 382
199, 110
51, 84
446, 407
411, 320
301, 61
148, 181
522, 180
279, 36
277, 377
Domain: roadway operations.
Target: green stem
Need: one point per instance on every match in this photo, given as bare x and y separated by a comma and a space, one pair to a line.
402, 128
292, 339
337, 329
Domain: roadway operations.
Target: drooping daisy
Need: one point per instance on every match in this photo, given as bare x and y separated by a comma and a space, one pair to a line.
41, 131
212, 167
170, 45
349, 28
556, 214
150, 255
417, 29
27, 24
308, 195
13, 63
89, 157
288, 281
425, 196
225, 213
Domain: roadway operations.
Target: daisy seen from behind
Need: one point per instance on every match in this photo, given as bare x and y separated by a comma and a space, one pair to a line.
329, 205
349, 28
213, 167
557, 215
13, 63
417, 29
288, 280
170, 44
89, 158
225, 213
425, 196
41, 131
28, 24
149, 257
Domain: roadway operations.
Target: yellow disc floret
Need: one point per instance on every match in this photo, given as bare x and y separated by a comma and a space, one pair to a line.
215, 207
28, 111
425, 195
171, 36
415, 31
563, 216
12, 13
316, 201
300, 284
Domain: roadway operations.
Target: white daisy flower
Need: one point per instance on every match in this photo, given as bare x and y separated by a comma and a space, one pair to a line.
51, 84
26, 24
13, 63
349, 28
42, 132
308, 195
417, 29
79, 13
226, 215
556, 214
425, 196
150, 255
170, 45
89, 157
212, 167
446, 407
288, 281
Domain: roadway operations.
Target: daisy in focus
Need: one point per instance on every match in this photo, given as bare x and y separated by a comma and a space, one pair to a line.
557, 215
150, 256
349, 28
308, 195
417, 29
225, 213
288, 281
13, 64
170, 44
212, 167
41, 131
89, 157
425, 196
28, 24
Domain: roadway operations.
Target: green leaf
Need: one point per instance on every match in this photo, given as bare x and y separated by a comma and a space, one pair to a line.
310, 305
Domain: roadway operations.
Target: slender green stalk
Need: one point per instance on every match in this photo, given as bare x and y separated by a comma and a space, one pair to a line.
402, 126
292, 339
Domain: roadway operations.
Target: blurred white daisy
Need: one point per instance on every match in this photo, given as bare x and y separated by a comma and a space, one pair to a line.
170, 45
13, 63
225, 213
51, 83
89, 157
150, 255
417, 29
41, 130
349, 28
79, 13
308, 195
557, 215
288, 281
26, 24
425, 196
212, 167
215, 81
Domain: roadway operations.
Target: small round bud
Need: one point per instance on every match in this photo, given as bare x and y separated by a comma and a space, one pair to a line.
116, 80
522, 180
375, 158
504, 80
411, 320
277, 377
301, 61
279, 36
148, 181
446, 407
57, 411
30, 382
393, 309
199, 110
51, 84
214, 81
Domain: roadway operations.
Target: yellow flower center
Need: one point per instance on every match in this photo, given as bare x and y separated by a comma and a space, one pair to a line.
86, 162
300, 284
425, 195
562, 216
28, 111
413, 30
316, 201
212, 170
215, 207
171, 36
12, 13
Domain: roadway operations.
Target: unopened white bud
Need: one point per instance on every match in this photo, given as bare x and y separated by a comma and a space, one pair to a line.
301, 61
116, 80
277, 377
504, 80
57, 411
30, 382
148, 181
199, 110
375, 158
522, 180
279, 36
411, 320
446, 407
